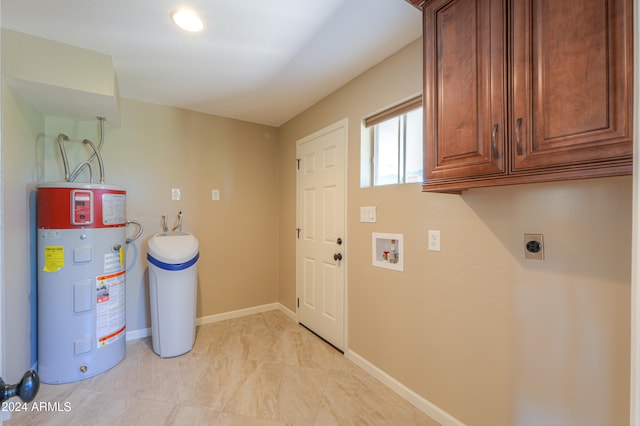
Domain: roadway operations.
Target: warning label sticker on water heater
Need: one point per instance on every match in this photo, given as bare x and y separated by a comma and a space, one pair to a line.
53, 258
110, 308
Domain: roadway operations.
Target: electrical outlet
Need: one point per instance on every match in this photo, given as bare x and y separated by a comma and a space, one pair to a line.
533, 246
175, 194
215, 194
434, 240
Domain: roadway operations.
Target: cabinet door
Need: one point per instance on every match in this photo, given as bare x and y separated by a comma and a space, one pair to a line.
571, 85
465, 114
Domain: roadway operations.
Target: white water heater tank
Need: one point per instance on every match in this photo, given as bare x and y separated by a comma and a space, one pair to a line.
81, 280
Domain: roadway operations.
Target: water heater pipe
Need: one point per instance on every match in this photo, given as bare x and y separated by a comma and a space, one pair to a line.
96, 153
62, 137
137, 235
81, 166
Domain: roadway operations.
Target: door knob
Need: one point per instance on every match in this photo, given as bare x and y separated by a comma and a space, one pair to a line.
339, 241
26, 389
337, 256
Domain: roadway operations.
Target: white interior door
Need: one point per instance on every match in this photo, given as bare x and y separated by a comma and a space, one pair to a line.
321, 243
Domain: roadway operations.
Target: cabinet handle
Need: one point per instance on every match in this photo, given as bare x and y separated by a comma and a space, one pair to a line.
493, 140
518, 126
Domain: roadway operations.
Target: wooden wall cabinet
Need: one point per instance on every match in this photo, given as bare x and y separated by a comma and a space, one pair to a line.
521, 91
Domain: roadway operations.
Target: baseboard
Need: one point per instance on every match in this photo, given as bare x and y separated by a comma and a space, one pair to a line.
237, 314
427, 407
146, 332
288, 312
138, 334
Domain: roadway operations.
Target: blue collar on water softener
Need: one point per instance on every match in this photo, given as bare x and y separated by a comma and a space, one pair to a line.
173, 266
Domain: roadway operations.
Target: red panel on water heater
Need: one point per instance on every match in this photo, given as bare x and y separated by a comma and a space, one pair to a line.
67, 207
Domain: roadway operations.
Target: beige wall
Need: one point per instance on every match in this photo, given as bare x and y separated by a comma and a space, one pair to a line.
489, 337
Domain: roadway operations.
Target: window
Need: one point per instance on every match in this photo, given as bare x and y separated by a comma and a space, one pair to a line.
392, 145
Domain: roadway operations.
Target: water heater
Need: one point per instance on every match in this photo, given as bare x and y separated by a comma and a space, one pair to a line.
81, 280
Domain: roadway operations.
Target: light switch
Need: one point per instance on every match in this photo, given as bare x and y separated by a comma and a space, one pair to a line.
175, 194
368, 214
434, 240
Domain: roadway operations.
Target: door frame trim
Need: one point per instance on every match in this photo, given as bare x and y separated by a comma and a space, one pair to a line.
343, 123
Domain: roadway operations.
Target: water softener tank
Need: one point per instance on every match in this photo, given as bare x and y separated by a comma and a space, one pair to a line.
173, 281
81, 280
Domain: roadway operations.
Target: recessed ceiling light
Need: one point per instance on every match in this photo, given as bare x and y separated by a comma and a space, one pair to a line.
188, 20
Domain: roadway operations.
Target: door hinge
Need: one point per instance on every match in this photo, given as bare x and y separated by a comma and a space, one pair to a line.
298, 163
298, 303
298, 232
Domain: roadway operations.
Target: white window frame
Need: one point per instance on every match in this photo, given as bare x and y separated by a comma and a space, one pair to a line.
370, 145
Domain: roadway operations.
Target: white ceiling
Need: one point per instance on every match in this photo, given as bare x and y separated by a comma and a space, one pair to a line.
262, 61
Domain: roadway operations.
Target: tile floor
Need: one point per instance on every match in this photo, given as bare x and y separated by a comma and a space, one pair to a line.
261, 369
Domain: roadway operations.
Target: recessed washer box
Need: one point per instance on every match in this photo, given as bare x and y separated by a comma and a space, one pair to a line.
387, 251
